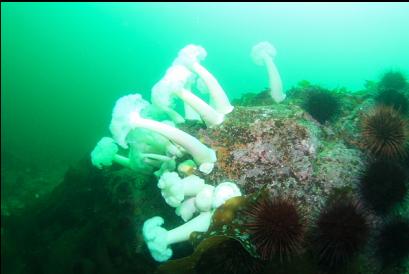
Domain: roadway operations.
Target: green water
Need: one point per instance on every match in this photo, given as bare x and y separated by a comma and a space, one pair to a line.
65, 64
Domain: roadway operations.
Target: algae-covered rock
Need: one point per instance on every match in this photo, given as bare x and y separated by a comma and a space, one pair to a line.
282, 148
261, 145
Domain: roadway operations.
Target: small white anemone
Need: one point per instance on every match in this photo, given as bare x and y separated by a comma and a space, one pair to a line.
263, 54
187, 209
159, 239
223, 192
105, 153
174, 189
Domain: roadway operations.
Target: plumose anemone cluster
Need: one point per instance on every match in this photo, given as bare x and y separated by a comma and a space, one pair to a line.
158, 146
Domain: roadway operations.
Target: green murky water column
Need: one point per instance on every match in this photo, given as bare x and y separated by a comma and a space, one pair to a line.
65, 64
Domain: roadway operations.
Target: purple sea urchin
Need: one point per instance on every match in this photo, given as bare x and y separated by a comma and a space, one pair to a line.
342, 229
393, 80
393, 242
276, 227
393, 98
321, 104
382, 185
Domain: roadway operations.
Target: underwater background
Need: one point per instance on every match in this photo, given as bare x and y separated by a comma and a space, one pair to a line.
64, 65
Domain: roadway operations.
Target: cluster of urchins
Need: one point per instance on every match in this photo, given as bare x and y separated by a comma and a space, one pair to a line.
335, 238
384, 183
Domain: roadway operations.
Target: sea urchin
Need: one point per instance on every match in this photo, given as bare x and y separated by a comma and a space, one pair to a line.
276, 227
382, 185
321, 104
393, 242
393, 98
342, 229
385, 133
393, 80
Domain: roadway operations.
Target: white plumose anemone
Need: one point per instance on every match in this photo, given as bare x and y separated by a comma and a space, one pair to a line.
263, 54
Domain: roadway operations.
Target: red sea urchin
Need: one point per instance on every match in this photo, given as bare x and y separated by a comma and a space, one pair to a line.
276, 227
385, 133
342, 230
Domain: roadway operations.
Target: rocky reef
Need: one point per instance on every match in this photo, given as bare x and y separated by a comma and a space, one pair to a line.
91, 221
